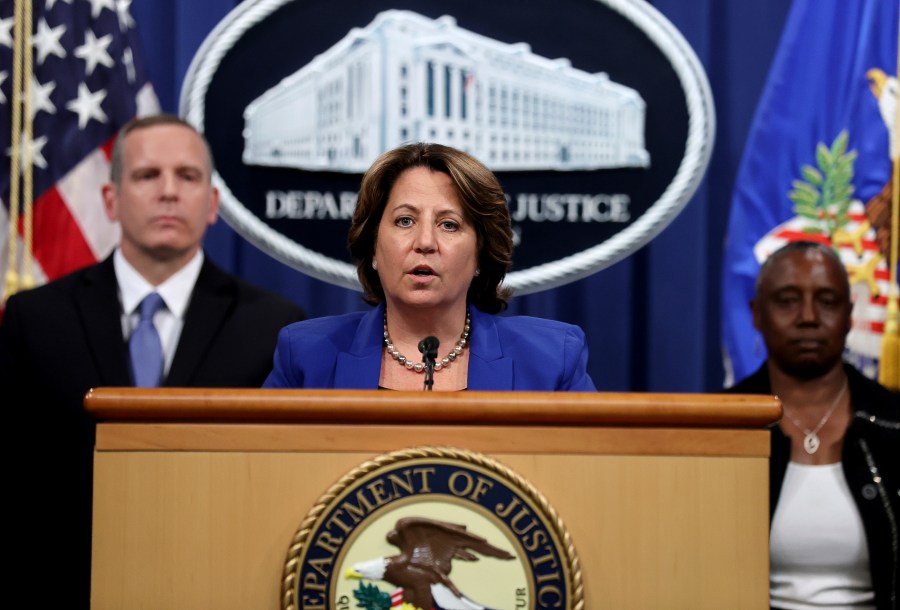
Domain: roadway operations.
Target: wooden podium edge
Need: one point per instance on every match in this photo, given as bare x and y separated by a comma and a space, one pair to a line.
200, 405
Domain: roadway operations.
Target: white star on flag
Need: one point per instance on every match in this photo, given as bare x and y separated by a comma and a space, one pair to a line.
99, 5
6, 31
94, 52
87, 105
46, 41
128, 61
123, 8
40, 97
31, 150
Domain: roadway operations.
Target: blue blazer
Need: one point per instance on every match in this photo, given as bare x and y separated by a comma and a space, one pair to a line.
505, 353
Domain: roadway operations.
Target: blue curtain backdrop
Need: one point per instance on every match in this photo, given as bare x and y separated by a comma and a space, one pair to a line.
652, 320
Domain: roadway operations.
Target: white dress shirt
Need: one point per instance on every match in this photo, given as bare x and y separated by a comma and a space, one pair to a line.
175, 292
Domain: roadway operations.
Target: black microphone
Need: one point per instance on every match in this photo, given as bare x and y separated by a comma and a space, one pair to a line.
429, 349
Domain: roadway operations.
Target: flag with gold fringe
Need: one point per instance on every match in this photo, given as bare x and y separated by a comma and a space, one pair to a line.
817, 165
70, 76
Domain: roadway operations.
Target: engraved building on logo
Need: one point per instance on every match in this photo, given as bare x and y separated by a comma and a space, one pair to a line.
406, 77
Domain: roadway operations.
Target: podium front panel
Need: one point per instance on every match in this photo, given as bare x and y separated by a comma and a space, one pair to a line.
200, 515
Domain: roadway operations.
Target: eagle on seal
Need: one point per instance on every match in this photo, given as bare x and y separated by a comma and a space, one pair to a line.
422, 568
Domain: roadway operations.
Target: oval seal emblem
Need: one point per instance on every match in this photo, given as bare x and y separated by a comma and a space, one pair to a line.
432, 528
596, 116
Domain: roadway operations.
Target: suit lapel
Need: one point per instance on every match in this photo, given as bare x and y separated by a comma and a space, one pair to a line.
360, 367
488, 368
211, 301
98, 306
357, 372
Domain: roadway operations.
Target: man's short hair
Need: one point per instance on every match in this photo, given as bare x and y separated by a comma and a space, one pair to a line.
800, 246
115, 168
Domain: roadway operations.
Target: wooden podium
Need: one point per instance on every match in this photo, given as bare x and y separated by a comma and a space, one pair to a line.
197, 493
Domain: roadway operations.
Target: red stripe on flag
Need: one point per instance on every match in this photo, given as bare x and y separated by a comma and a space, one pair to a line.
108, 146
790, 235
59, 245
873, 327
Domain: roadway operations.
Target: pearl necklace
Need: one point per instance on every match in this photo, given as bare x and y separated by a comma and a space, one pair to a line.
811, 439
440, 364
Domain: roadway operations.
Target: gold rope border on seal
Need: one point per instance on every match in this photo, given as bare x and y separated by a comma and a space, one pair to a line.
289, 601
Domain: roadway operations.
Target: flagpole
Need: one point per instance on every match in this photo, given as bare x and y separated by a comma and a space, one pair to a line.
27, 279
12, 274
889, 365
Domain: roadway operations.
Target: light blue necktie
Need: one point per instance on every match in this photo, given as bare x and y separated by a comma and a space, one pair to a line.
145, 347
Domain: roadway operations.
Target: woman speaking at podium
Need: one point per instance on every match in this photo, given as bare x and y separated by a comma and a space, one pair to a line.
432, 242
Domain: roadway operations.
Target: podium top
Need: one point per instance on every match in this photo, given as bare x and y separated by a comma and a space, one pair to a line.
485, 408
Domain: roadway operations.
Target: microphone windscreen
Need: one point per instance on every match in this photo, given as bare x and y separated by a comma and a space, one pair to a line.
429, 345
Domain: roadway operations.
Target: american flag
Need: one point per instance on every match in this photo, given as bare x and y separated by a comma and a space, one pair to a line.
87, 81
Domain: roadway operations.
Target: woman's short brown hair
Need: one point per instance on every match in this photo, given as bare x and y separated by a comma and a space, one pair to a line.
483, 202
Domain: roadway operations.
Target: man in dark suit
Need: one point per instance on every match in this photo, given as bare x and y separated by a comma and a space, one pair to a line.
63, 338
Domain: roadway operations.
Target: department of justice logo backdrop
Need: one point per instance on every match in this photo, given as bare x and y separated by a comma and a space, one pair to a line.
595, 114
432, 529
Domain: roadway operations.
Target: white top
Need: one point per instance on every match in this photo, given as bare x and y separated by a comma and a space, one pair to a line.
175, 292
817, 545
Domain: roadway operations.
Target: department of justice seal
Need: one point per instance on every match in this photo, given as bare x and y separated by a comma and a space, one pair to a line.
596, 115
432, 528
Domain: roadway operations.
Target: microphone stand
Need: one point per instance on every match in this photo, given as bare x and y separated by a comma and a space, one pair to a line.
429, 348
429, 374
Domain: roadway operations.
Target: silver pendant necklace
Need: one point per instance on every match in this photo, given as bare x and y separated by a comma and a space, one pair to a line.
811, 440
